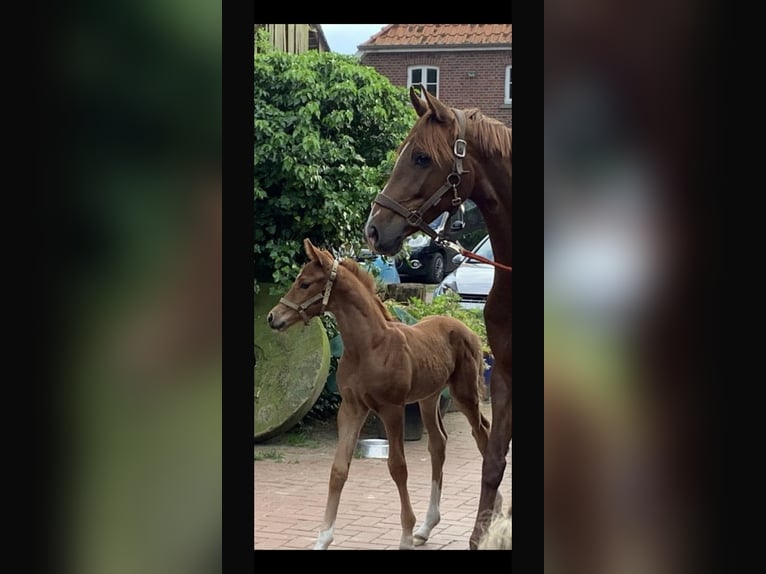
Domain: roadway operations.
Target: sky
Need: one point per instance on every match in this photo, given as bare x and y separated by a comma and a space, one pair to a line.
344, 38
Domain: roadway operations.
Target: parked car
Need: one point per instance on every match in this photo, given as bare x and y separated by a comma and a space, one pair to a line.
472, 279
385, 266
428, 261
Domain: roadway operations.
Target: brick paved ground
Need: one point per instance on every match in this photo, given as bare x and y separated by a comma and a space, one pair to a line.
290, 495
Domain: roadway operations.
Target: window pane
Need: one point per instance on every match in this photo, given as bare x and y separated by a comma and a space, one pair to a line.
432, 89
431, 75
486, 250
416, 75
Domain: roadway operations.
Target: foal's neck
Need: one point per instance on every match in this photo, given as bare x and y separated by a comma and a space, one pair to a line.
359, 318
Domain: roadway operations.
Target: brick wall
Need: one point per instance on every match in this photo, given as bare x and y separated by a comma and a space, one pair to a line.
485, 90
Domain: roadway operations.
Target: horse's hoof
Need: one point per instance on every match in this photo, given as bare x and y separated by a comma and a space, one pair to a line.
498, 508
473, 542
419, 540
407, 542
324, 539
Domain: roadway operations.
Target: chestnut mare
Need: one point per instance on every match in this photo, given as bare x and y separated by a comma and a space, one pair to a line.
385, 365
449, 156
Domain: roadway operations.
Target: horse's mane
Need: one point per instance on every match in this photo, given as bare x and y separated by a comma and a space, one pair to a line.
487, 135
493, 137
368, 282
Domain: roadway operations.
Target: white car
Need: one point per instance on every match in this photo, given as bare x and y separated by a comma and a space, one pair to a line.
472, 280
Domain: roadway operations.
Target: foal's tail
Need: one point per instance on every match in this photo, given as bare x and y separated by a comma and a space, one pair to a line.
467, 381
478, 354
483, 391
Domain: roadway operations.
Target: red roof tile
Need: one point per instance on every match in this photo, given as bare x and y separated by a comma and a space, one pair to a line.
439, 35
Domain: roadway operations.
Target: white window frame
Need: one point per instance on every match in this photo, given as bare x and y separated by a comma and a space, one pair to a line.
423, 72
508, 82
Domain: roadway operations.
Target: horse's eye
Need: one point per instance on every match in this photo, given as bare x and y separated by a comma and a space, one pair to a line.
422, 160
305, 285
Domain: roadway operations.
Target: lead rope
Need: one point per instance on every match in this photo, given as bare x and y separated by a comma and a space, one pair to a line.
472, 255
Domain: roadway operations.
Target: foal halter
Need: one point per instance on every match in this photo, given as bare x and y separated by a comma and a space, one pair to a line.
415, 216
309, 302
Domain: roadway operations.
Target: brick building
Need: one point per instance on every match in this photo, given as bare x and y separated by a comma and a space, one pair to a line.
464, 65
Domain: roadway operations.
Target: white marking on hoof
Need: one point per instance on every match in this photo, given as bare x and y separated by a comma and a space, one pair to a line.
406, 542
324, 539
432, 516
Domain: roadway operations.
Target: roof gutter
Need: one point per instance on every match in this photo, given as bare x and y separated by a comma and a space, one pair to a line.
433, 48
320, 32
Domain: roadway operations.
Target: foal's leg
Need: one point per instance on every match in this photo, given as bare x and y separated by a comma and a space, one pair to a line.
467, 401
437, 441
351, 417
464, 389
393, 418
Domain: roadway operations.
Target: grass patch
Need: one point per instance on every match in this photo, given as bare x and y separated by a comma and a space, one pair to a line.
299, 436
271, 454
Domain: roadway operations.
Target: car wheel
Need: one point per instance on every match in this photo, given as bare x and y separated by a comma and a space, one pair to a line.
436, 269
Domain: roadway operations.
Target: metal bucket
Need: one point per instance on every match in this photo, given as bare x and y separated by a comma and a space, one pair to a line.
373, 448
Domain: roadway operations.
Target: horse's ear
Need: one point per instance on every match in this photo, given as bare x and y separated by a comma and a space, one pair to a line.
325, 258
440, 112
311, 251
418, 102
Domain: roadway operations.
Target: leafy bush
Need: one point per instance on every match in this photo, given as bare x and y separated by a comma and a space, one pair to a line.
326, 131
325, 408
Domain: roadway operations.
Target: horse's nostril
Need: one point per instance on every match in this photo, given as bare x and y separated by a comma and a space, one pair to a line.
372, 233
270, 318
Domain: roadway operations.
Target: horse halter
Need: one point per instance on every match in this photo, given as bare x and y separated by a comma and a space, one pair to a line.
415, 216
309, 302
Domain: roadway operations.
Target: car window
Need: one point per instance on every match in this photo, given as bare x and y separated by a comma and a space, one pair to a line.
435, 223
420, 239
475, 228
485, 250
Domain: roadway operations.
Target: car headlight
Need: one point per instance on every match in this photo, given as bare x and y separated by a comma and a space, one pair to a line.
449, 284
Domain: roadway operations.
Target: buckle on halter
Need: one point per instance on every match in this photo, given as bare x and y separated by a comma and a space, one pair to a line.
459, 148
453, 179
414, 218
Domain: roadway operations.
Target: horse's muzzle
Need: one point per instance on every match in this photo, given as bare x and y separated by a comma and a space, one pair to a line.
381, 244
274, 323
